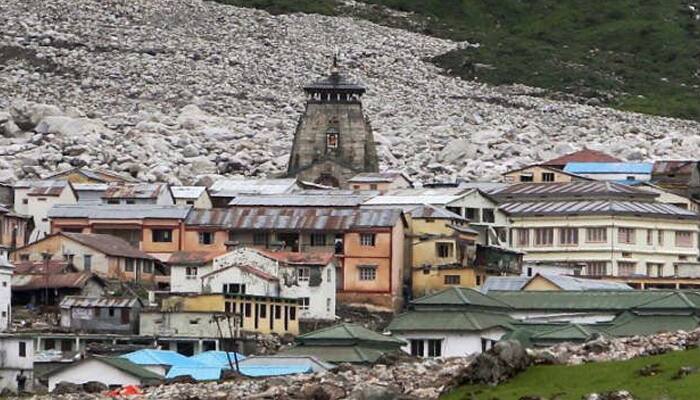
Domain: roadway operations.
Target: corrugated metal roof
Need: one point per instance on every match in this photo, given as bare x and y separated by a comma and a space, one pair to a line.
198, 373
311, 364
192, 257
116, 212
40, 267
678, 167
438, 196
448, 321
47, 188
608, 168
508, 283
108, 244
378, 177
160, 357
122, 190
353, 354
595, 207
90, 187
187, 192
292, 258
294, 218
98, 175
214, 358
504, 283
428, 211
98, 302
578, 189
329, 199
585, 155
72, 280
348, 332
247, 269
236, 187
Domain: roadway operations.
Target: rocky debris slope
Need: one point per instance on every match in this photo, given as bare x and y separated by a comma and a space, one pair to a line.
176, 89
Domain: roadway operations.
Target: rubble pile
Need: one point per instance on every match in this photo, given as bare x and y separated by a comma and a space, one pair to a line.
179, 90
606, 349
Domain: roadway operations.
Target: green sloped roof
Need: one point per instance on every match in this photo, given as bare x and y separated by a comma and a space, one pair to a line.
460, 296
348, 333
338, 354
448, 321
632, 325
569, 332
579, 300
672, 300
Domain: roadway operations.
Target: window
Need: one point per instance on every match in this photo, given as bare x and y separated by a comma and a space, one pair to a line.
452, 279
368, 239
548, 177
434, 347
332, 138
234, 288
304, 303
329, 274
444, 249
626, 235
292, 313
147, 267
626, 268
372, 186
596, 235
263, 310
194, 322
596, 268
162, 235
568, 236
24, 257
368, 272
417, 347
472, 214
318, 239
260, 238
129, 265
650, 237
522, 237
303, 274
111, 312
191, 272
206, 237
684, 239
526, 178
544, 236
25, 201
4, 283
278, 312
41, 199
356, 187
488, 215
328, 304
660, 237
248, 310
655, 269
189, 202
87, 262
113, 201
130, 201
22, 349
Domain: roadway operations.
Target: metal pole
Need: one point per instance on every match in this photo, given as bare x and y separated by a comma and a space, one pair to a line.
221, 337
233, 339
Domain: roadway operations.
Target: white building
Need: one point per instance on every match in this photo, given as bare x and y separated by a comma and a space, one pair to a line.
111, 371
16, 363
6, 270
196, 196
36, 198
138, 193
187, 269
309, 277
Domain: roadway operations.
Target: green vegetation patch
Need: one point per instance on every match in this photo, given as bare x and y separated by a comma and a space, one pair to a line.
573, 382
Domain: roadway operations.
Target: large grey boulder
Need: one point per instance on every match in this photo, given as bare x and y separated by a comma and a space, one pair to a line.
502, 362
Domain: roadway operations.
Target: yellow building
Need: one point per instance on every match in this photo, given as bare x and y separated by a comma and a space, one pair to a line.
541, 174
254, 313
442, 248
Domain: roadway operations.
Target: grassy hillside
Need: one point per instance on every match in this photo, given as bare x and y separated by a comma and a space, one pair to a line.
572, 382
639, 55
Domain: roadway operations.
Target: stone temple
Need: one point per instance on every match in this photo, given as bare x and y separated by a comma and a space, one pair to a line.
333, 140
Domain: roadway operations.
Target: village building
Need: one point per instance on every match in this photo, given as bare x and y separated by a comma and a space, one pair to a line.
14, 230
368, 243
153, 229
610, 229
345, 343
114, 372
541, 174
473, 204
584, 155
6, 271
36, 198
90, 193
195, 196
17, 366
7, 194
84, 175
678, 176
194, 316
621, 172
308, 277
333, 140
669, 197
187, 269
48, 282
380, 181
100, 314
306, 198
138, 193
224, 190
106, 255
547, 282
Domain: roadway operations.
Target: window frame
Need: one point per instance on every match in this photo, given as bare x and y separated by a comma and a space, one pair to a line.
568, 236
450, 280
540, 234
367, 273
202, 235
626, 235
368, 239
166, 238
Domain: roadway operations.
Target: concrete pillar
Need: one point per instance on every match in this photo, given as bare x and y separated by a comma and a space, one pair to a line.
38, 343
77, 343
200, 347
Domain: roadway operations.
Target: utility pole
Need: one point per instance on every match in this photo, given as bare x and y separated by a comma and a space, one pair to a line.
233, 339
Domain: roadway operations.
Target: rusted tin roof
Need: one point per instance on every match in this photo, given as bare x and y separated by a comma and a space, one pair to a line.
40, 267
71, 280
99, 302
188, 192
291, 258
192, 257
237, 187
585, 155
302, 199
427, 211
582, 190
294, 218
118, 212
245, 268
121, 190
596, 207
378, 177
107, 244
47, 188
96, 175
